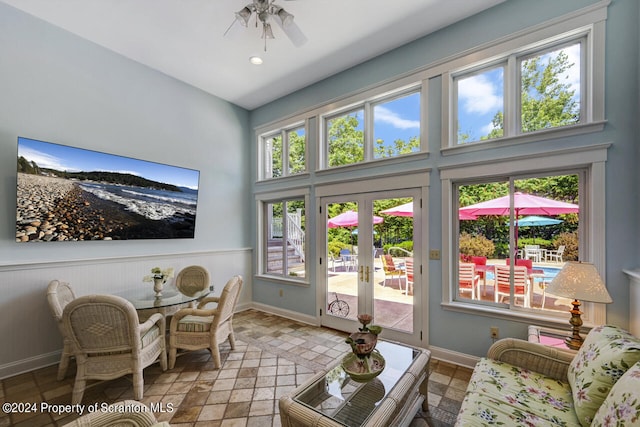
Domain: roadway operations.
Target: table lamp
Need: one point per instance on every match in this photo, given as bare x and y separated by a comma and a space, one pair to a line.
580, 281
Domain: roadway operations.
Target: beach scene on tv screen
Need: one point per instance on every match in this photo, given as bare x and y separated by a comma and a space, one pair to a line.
71, 194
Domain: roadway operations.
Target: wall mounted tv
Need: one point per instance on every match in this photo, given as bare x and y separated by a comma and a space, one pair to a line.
71, 194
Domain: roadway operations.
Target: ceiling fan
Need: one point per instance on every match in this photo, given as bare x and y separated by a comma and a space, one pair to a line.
266, 11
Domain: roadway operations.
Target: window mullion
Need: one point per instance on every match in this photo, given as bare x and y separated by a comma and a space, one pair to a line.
512, 98
368, 131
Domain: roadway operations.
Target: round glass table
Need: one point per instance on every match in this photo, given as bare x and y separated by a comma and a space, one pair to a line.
146, 303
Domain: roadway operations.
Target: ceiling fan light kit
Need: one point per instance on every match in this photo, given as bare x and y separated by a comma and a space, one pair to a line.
264, 11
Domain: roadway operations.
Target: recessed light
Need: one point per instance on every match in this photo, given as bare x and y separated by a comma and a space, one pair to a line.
255, 60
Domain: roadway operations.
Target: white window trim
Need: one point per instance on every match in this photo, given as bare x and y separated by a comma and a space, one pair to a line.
365, 100
278, 196
281, 128
593, 205
588, 22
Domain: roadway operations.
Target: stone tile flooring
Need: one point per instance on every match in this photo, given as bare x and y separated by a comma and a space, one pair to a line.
273, 355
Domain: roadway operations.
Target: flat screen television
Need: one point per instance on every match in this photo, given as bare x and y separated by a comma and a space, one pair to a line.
69, 194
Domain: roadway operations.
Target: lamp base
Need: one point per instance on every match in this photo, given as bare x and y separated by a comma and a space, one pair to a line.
574, 342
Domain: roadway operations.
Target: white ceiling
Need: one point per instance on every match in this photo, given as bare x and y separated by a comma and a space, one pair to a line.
184, 38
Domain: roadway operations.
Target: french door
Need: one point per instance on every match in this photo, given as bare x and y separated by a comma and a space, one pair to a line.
372, 262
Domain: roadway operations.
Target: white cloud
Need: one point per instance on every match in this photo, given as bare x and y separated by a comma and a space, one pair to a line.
479, 95
42, 160
385, 115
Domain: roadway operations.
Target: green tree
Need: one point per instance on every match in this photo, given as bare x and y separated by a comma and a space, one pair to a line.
345, 140
546, 100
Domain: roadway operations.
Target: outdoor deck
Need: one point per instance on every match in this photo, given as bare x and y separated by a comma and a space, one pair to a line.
394, 309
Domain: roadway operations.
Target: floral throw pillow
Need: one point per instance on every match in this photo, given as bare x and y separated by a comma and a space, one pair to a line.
622, 405
606, 354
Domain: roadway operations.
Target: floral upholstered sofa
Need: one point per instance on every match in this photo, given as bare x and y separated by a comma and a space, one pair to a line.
521, 383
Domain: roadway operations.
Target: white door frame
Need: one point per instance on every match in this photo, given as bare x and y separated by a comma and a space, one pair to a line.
416, 183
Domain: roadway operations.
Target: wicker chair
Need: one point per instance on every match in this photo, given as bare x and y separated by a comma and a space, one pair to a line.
59, 294
109, 341
193, 279
127, 413
200, 328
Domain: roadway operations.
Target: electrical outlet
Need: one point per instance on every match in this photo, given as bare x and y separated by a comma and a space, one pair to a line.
281, 292
434, 254
494, 332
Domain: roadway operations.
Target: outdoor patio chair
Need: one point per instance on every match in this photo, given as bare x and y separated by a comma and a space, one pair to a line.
109, 341
206, 328
556, 255
502, 285
533, 252
59, 294
391, 270
408, 265
468, 279
335, 262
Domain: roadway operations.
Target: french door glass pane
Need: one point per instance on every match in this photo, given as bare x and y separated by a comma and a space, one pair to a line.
342, 262
393, 284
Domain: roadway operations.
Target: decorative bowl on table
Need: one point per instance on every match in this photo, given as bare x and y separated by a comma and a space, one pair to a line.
363, 369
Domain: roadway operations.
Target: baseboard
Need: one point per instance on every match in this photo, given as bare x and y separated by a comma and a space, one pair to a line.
30, 364
288, 314
455, 357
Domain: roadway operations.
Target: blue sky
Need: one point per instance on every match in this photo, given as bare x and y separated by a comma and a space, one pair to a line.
62, 157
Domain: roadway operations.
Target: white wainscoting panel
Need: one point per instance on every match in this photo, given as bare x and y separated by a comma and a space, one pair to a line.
30, 336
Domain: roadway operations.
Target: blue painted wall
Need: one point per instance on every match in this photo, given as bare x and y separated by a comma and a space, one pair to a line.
461, 332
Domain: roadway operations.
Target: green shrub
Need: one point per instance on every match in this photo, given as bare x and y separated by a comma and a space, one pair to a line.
335, 246
570, 242
476, 245
407, 245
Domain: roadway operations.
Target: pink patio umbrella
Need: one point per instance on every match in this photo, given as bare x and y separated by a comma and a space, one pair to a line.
407, 210
349, 219
523, 204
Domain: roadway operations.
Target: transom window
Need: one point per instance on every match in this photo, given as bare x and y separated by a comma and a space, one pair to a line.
547, 91
284, 153
379, 128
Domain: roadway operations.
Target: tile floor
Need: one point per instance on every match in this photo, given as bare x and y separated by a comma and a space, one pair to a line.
272, 356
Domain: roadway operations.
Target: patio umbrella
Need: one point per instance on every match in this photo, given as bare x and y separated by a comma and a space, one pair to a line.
536, 221
523, 204
349, 219
407, 210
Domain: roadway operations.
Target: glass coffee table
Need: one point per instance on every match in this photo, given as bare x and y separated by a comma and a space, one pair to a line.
332, 398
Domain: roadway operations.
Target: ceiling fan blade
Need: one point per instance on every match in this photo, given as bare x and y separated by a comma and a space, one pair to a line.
292, 31
234, 29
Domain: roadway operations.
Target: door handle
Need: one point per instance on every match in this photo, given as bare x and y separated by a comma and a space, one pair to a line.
367, 275
361, 270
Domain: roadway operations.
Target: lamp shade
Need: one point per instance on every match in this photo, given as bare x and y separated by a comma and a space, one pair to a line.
581, 281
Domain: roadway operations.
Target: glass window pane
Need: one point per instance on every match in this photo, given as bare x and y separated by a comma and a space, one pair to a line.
480, 105
550, 85
273, 156
345, 139
284, 250
296, 143
545, 233
295, 223
397, 126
